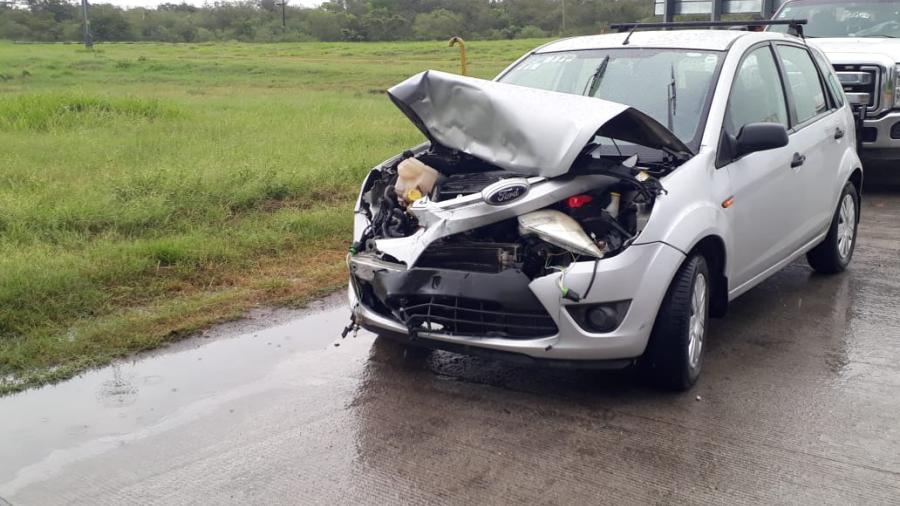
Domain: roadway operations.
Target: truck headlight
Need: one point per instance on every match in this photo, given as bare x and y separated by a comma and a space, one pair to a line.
897, 86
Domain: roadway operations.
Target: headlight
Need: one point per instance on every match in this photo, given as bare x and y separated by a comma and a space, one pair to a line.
559, 229
897, 85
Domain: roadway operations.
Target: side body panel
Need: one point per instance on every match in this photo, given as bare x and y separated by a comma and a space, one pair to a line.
765, 212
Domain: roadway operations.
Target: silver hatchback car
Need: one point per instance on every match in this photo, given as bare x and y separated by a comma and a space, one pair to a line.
604, 196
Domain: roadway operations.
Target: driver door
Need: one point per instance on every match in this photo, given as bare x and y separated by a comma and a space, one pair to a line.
762, 216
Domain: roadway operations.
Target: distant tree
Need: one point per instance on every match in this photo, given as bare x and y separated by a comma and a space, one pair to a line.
545, 14
380, 24
109, 24
59, 10
351, 20
531, 32
182, 7
437, 24
325, 25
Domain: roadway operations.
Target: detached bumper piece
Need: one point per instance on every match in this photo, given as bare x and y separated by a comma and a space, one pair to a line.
440, 300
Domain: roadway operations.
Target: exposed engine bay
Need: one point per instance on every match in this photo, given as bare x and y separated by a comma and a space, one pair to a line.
593, 224
449, 241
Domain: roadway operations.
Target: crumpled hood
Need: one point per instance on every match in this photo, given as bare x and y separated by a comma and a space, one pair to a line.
524, 130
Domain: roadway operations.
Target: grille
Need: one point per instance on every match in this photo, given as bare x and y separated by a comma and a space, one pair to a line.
471, 317
861, 79
473, 256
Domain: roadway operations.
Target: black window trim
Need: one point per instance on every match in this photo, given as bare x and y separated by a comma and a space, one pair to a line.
824, 74
720, 162
796, 124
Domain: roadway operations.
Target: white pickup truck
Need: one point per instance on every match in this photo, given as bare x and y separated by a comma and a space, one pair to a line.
862, 40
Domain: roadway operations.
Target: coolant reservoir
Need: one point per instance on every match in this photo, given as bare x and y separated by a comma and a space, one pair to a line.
414, 179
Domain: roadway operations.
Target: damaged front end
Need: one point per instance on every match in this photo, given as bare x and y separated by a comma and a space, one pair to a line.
450, 238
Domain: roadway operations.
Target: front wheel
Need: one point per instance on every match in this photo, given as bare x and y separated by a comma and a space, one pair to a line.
833, 254
674, 354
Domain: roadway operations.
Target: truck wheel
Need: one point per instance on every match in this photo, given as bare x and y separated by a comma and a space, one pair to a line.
675, 352
833, 254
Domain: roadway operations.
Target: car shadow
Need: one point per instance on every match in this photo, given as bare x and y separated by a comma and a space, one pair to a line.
758, 330
796, 320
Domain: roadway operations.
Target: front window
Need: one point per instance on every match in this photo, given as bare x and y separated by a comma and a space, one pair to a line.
840, 18
757, 95
672, 86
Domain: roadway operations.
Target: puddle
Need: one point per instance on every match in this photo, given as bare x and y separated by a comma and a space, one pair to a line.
129, 396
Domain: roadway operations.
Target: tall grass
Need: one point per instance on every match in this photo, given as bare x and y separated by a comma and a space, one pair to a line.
43, 112
147, 189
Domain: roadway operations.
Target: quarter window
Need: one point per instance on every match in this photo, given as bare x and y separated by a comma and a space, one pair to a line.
757, 95
803, 82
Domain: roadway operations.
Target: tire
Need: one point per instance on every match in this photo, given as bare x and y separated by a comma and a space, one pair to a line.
834, 253
674, 354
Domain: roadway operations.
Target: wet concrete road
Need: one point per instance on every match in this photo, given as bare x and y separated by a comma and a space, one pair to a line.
799, 402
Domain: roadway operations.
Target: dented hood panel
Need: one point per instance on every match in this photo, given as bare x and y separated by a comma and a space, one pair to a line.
524, 130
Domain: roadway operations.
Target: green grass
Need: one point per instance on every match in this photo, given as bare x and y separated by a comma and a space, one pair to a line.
147, 190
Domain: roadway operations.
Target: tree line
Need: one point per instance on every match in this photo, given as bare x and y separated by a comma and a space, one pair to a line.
335, 20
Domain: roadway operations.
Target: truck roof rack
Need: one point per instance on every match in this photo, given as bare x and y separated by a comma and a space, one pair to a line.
795, 25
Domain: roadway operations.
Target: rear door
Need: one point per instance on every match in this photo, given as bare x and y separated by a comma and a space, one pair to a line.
817, 137
763, 214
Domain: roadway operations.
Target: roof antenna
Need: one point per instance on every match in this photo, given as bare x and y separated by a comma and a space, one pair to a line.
633, 28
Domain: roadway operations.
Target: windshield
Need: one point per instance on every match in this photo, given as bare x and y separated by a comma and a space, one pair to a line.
672, 86
830, 18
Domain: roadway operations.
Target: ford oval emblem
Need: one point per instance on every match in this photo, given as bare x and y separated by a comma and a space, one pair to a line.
505, 191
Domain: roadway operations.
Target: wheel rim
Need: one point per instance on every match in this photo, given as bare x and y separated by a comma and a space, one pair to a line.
698, 321
846, 226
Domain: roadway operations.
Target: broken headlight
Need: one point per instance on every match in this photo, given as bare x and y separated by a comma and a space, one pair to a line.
559, 229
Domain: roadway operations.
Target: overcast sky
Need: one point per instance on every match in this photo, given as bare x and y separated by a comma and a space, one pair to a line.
154, 3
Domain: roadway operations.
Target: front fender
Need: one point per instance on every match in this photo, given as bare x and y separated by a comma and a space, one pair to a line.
691, 208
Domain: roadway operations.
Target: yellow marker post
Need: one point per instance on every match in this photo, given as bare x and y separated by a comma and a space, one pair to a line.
462, 53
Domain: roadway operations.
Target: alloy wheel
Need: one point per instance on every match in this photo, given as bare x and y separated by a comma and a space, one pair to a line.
846, 226
697, 324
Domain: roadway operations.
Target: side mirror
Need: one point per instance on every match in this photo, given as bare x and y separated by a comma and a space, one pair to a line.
755, 137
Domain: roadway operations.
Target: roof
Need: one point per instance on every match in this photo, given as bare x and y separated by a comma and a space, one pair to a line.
711, 40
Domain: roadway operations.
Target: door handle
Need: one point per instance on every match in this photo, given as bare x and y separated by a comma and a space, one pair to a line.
797, 160
838, 133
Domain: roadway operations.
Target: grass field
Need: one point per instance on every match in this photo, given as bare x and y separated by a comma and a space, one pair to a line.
147, 190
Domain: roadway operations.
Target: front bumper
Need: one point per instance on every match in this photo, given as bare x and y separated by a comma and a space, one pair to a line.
885, 134
641, 274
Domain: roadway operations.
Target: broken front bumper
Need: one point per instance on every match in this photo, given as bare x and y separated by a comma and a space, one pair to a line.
386, 297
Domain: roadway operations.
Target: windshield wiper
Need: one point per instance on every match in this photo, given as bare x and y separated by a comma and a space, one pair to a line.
593, 83
671, 99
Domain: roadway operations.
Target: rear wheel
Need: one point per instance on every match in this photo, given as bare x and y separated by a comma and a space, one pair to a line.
674, 354
833, 254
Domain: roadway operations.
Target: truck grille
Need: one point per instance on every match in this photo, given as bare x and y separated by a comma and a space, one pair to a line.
862, 79
471, 317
